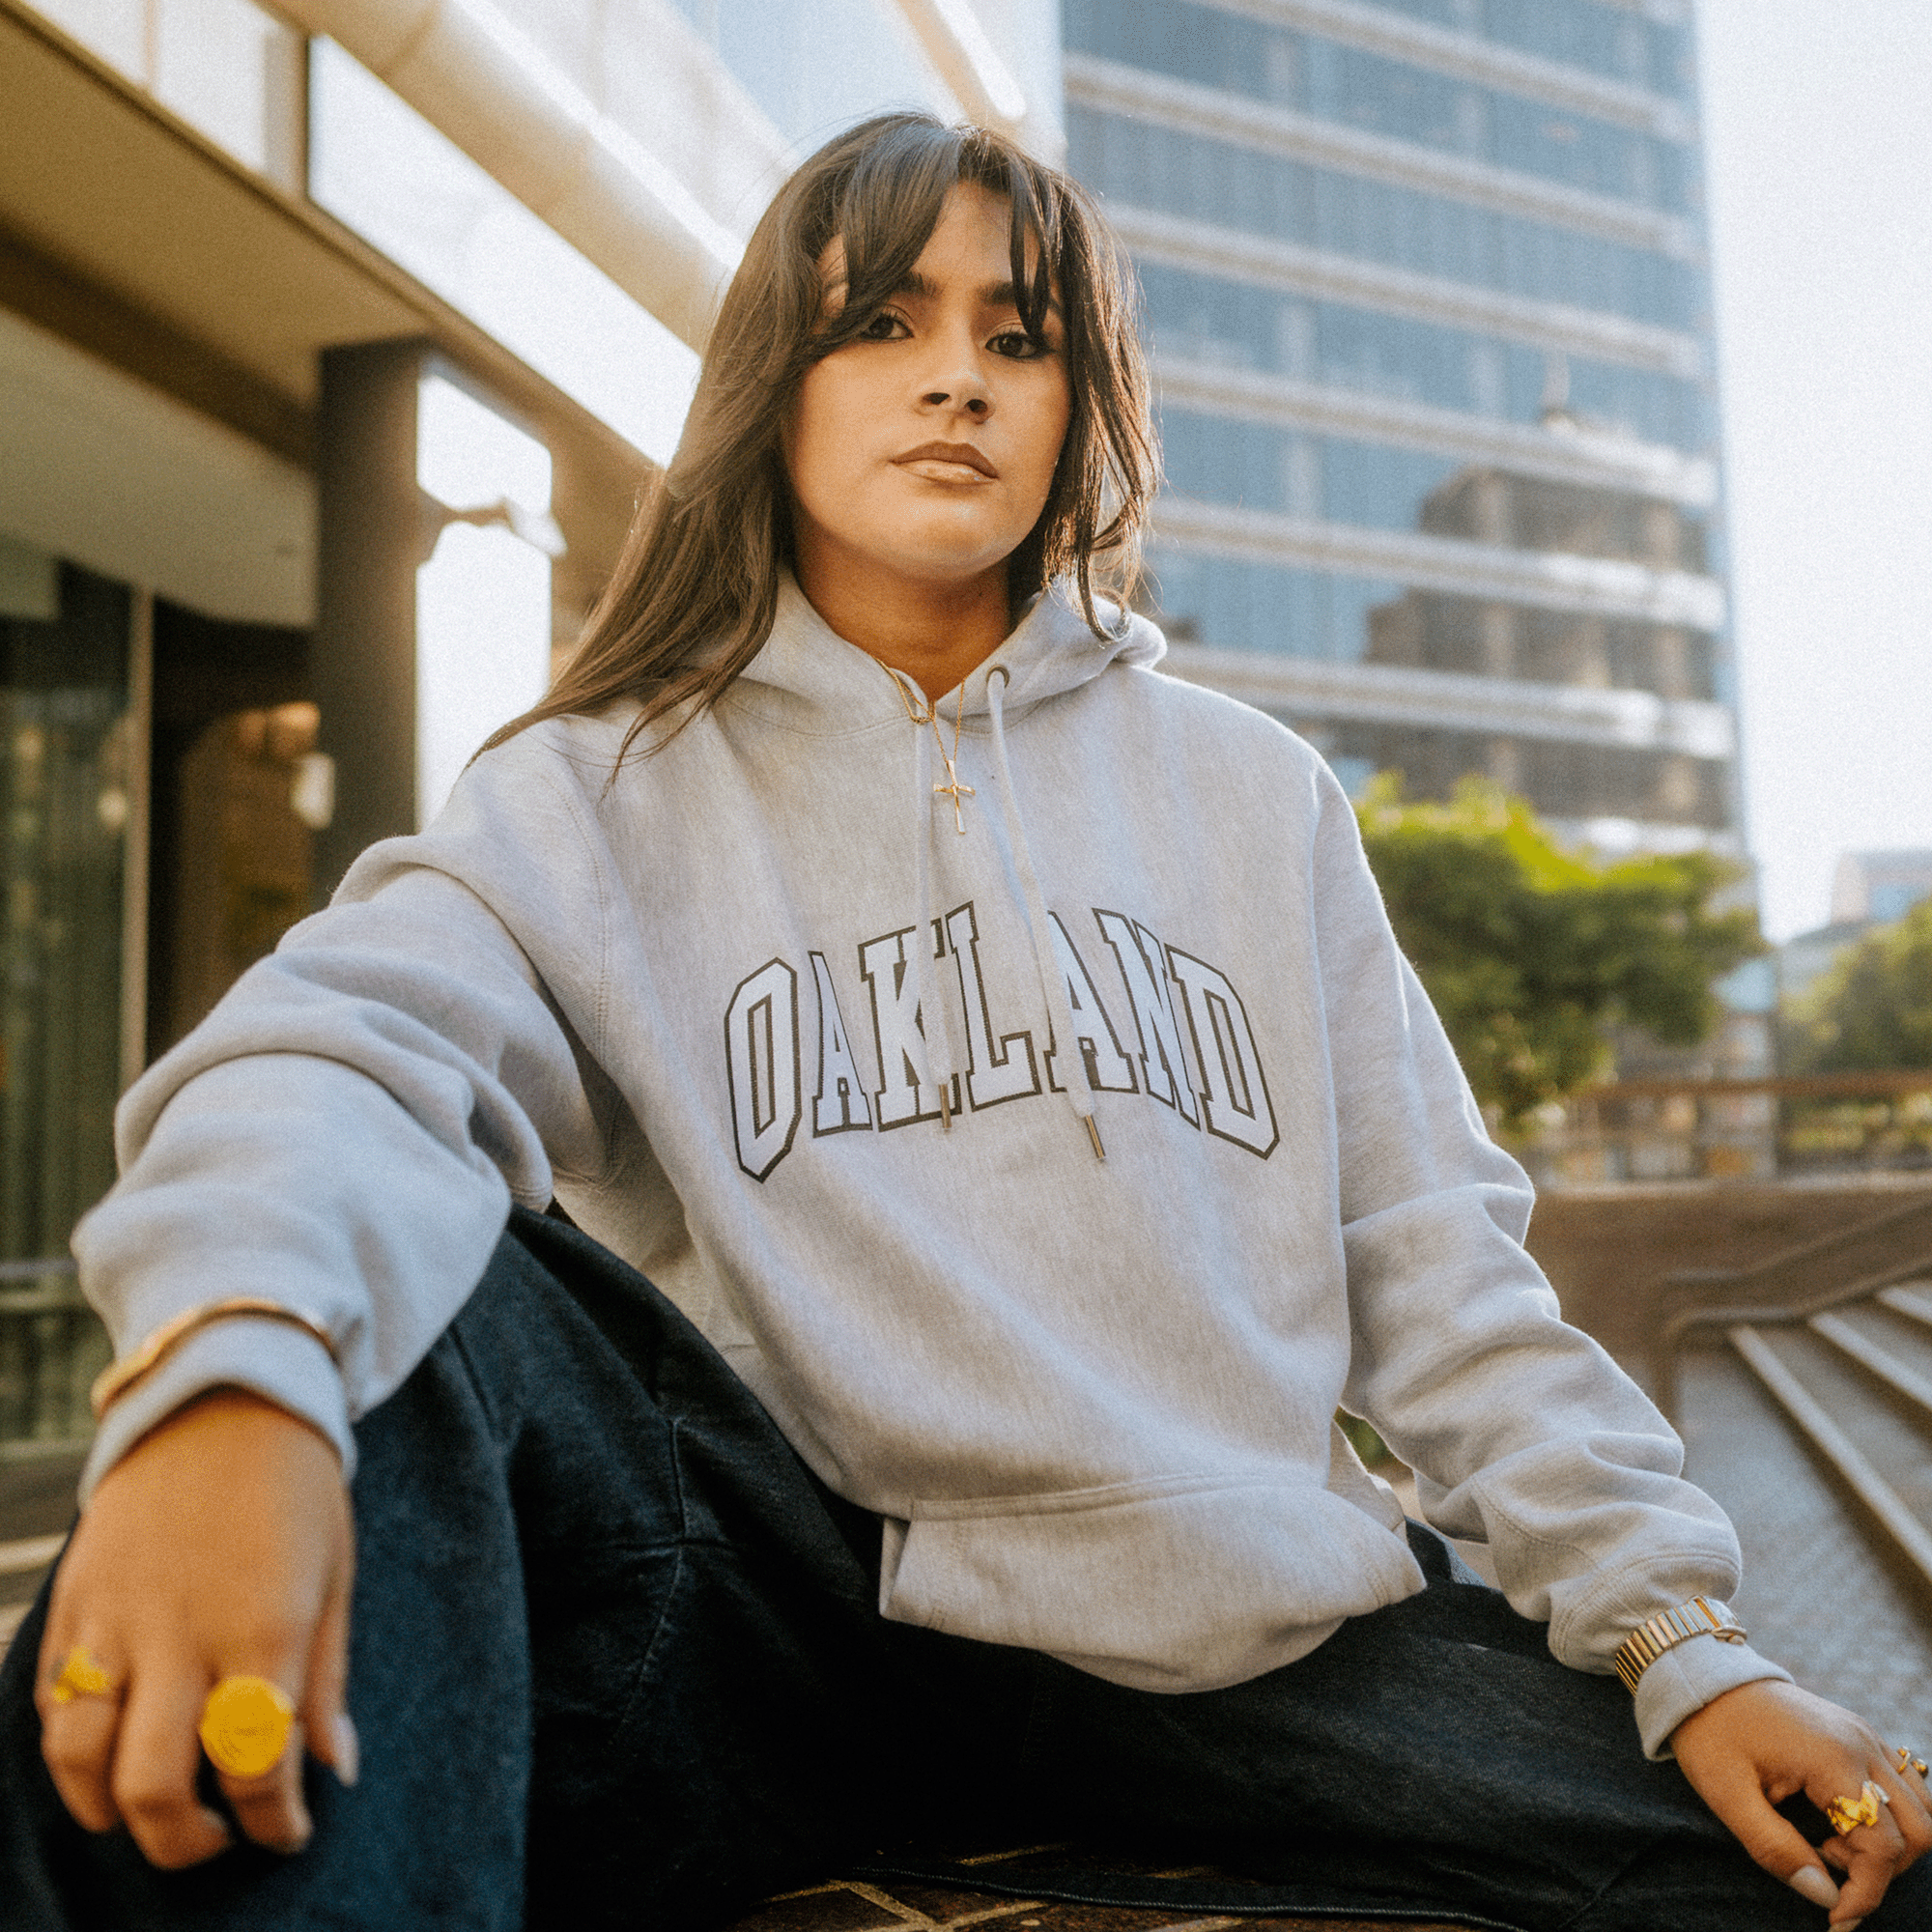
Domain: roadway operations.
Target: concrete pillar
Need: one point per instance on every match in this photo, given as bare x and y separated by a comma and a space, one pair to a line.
434, 595
1670, 662
1680, 791
1502, 759
363, 662
1495, 636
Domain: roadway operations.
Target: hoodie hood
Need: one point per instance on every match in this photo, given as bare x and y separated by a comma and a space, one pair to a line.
810, 679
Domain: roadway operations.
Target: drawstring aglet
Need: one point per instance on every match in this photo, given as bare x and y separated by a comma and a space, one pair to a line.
1094, 1135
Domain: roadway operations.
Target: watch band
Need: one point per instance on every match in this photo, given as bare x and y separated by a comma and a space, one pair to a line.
1701, 1616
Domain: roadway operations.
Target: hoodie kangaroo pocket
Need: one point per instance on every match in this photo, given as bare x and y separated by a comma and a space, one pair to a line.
1175, 1584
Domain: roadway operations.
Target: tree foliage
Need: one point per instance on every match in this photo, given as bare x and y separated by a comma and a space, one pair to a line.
1532, 953
1872, 1008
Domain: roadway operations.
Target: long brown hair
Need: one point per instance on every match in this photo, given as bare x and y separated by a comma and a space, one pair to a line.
695, 591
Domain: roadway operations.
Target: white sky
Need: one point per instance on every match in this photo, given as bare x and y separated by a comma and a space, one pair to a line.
1818, 128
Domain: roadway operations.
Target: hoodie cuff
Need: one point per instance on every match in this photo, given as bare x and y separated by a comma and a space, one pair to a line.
269, 1358
1685, 1678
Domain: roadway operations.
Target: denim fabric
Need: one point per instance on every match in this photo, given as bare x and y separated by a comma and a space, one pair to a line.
617, 1660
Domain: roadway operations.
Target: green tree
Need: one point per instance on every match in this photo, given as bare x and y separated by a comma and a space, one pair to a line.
1532, 953
1873, 1008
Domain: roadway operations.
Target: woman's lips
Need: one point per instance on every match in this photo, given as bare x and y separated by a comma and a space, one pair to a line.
936, 470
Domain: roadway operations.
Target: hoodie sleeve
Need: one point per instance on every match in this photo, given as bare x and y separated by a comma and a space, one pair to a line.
345, 1133
1522, 1432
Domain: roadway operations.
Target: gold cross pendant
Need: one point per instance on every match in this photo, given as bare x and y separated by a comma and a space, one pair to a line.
955, 791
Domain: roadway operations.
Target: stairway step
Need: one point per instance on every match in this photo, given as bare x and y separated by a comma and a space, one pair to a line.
1854, 1467
1874, 1357
1892, 1433
1912, 1300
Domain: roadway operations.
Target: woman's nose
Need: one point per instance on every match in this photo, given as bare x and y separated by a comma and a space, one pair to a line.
964, 385
974, 401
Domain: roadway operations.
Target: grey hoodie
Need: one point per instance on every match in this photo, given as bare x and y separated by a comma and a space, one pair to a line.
833, 1065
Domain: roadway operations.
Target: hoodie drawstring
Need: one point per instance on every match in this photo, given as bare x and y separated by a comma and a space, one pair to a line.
1052, 980
939, 1072
939, 1049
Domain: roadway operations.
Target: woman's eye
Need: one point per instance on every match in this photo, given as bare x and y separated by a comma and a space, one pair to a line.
1019, 345
880, 328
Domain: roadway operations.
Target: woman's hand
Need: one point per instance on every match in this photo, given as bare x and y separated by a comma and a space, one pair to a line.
1762, 1743
219, 1546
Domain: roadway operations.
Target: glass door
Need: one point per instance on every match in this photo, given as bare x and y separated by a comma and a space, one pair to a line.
69, 794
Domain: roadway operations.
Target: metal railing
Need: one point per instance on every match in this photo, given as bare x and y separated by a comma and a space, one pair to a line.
1668, 1130
51, 1348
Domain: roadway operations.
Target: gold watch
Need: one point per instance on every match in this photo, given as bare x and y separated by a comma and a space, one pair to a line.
1701, 1616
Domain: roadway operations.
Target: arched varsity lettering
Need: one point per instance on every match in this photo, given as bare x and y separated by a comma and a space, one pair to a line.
1234, 1101
996, 1069
899, 1032
1143, 964
761, 1063
1109, 1070
838, 1106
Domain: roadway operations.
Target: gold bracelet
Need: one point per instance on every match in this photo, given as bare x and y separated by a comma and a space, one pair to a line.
118, 1377
1701, 1616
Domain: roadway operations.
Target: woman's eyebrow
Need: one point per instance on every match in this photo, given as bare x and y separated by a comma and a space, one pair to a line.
991, 295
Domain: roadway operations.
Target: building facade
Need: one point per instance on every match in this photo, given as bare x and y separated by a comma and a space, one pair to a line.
1425, 284
336, 339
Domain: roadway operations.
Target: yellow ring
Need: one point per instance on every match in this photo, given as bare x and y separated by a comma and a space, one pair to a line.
1909, 1760
82, 1675
244, 1725
1847, 1814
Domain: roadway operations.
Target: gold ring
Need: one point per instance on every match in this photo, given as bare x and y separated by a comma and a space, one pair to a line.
1847, 1814
1910, 1760
82, 1675
244, 1725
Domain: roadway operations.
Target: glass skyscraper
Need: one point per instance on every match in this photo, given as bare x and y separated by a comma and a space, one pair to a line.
1426, 289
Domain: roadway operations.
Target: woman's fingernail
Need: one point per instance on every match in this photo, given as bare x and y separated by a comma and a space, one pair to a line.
349, 1749
1810, 1882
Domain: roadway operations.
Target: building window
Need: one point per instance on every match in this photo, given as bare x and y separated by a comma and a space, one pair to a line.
1221, 182
1353, 87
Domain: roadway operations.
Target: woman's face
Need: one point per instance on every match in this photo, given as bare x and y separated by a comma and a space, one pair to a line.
922, 452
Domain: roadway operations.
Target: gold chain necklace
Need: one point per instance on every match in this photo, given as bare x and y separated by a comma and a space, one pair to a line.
952, 788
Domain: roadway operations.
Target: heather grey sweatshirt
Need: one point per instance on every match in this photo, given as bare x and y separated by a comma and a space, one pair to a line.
827, 1054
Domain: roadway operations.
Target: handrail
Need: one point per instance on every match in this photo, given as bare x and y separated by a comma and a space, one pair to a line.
1782, 1085
1671, 1336
1818, 1250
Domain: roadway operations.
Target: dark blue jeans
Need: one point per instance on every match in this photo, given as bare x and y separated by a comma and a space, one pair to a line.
617, 1660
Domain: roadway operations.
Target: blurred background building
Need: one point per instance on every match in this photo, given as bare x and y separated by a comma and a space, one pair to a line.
335, 341
1868, 890
337, 336
1428, 291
